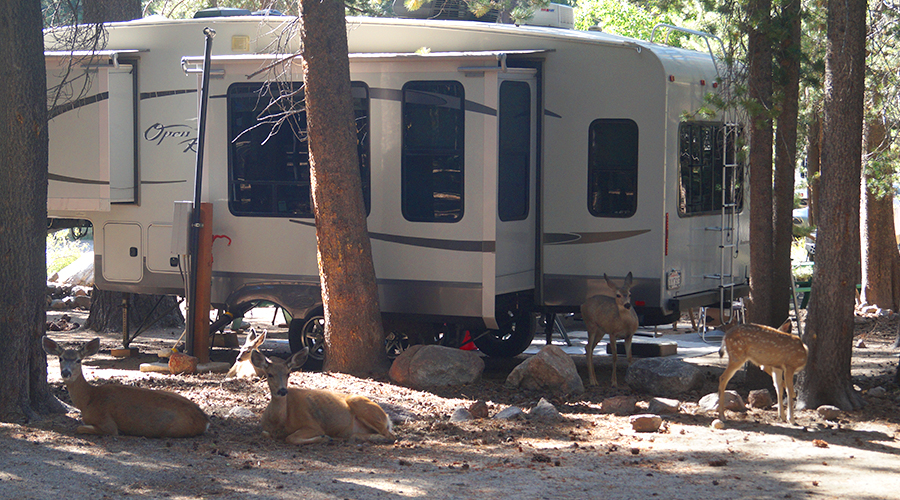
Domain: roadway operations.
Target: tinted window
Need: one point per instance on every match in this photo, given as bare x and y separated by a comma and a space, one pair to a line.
702, 149
515, 150
612, 168
432, 159
268, 161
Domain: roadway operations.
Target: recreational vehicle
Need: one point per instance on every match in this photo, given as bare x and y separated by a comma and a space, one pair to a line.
506, 169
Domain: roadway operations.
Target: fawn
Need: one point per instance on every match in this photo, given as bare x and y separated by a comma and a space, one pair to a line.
303, 416
615, 317
776, 351
242, 367
117, 409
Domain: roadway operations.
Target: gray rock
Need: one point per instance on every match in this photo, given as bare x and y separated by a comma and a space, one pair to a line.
733, 402
510, 413
618, 405
544, 410
664, 406
240, 412
877, 392
550, 370
460, 415
829, 412
423, 366
645, 423
760, 398
663, 376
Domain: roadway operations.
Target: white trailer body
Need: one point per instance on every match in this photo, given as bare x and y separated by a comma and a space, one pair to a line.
506, 169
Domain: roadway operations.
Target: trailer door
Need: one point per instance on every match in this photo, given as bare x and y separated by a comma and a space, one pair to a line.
516, 182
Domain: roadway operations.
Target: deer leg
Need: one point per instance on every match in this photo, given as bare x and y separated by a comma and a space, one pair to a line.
778, 381
615, 356
791, 395
593, 338
628, 348
307, 435
729, 372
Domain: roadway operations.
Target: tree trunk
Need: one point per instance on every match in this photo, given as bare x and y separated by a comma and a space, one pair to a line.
761, 232
813, 156
879, 255
24, 392
354, 336
786, 160
107, 11
829, 333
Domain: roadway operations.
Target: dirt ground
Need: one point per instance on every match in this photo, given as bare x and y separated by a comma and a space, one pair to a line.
587, 455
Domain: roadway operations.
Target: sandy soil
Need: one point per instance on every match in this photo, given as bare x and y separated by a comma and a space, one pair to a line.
587, 455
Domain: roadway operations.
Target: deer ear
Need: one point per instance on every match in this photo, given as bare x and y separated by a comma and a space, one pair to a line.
628, 280
258, 360
786, 327
297, 360
91, 348
50, 347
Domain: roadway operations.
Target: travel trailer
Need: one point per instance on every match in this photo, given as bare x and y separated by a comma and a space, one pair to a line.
506, 169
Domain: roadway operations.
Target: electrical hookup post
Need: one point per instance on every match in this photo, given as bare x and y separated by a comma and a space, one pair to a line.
200, 242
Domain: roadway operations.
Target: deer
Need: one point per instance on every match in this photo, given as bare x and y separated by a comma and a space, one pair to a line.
306, 416
613, 316
113, 409
242, 367
775, 351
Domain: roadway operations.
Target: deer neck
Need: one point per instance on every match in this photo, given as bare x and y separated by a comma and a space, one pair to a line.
79, 389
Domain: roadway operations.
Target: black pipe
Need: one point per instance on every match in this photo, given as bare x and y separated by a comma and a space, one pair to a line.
198, 177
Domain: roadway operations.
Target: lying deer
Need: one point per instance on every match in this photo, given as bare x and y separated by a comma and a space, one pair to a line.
303, 416
242, 367
117, 409
613, 316
777, 352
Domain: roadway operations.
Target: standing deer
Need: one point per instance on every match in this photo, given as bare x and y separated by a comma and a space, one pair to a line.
615, 317
303, 416
117, 409
777, 352
242, 367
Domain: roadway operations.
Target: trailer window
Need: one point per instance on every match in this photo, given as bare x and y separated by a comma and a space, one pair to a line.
702, 146
431, 165
269, 161
514, 162
612, 168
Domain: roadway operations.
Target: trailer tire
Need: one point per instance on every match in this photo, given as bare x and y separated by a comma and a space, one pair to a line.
309, 332
511, 339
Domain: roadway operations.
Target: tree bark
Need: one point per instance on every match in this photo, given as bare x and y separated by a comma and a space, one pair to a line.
106, 313
107, 11
813, 157
24, 392
786, 159
879, 255
354, 336
826, 379
760, 156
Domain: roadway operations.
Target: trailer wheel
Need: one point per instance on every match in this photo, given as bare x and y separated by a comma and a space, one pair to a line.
514, 336
309, 333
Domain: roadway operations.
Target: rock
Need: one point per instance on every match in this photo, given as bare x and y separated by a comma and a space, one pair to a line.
510, 413
663, 376
664, 406
645, 423
733, 402
82, 302
545, 411
59, 305
829, 412
618, 405
182, 363
717, 424
760, 398
461, 415
861, 344
479, 409
877, 392
240, 412
550, 370
423, 366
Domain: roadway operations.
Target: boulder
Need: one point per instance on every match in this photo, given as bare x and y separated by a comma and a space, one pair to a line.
663, 376
545, 411
760, 398
423, 366
550, 370
829, 412
645, 423
182, 363
733, 402
510, 413
619, 405
664, 406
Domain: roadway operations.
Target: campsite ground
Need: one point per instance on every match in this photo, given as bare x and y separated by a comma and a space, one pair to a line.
587, 455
